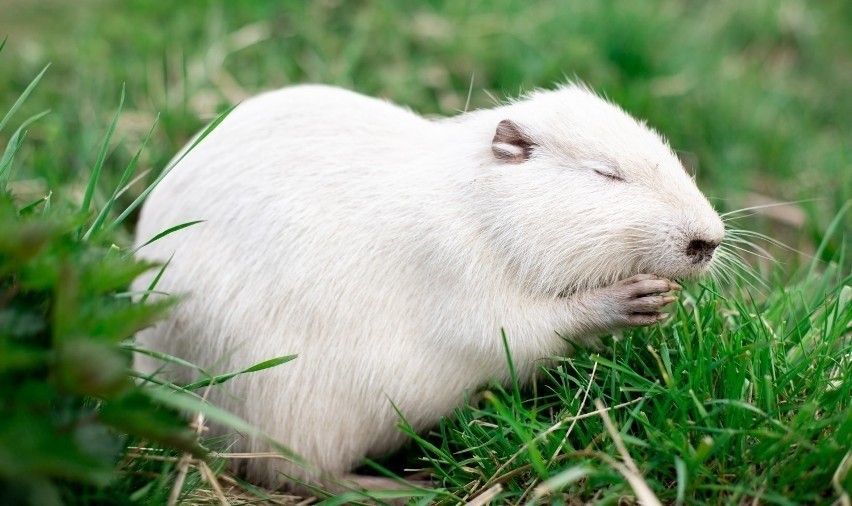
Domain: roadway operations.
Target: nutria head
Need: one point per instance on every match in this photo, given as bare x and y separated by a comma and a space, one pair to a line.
578, 194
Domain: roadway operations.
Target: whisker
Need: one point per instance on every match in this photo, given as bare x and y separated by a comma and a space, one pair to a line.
765, 206
723, 270
754, 247
736, 264
745, 269
738, 233
717, 275
760, 252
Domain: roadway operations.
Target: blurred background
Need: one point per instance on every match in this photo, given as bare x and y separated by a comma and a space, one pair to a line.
753, 95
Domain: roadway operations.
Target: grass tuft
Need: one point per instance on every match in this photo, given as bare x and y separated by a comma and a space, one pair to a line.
727, 402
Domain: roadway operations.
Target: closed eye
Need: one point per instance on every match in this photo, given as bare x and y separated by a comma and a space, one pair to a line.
605, 168
609, 175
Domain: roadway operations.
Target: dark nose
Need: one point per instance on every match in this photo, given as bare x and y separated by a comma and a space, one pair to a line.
700, 250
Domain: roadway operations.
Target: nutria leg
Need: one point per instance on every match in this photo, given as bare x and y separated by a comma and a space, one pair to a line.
634, 302
639, 300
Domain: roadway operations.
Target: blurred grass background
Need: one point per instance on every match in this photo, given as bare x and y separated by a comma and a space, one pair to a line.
754, 95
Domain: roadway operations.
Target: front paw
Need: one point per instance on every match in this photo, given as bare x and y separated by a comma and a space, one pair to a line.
638, 301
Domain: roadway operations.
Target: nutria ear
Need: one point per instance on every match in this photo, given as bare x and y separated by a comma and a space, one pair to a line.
510, 143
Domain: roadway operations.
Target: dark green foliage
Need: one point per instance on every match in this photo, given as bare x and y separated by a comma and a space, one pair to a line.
67, 403
66, 397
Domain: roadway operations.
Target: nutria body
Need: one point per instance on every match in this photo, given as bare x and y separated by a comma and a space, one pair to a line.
389, 251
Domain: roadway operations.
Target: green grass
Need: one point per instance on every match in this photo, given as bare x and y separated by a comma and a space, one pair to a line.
730, 400
743, 395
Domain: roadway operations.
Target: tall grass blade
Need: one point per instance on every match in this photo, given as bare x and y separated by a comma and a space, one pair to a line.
164, 233
22, 97
99, 163
833, 228
222, 378
141, 198
120, 187
156, 280
164, 357
15, 143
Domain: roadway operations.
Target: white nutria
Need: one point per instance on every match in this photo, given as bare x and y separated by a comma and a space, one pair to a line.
388, 251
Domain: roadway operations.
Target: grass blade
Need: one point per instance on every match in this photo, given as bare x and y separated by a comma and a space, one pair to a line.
15, 143
23, 97
46, 207
218, 380
185, 401
155, 280
99, 163
128, 171
168, 169
132, 182
833, 227
560, 481
28, 208
165, 233
189, 402
164, 357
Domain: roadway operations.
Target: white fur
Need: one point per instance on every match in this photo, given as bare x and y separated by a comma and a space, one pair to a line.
388, 251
